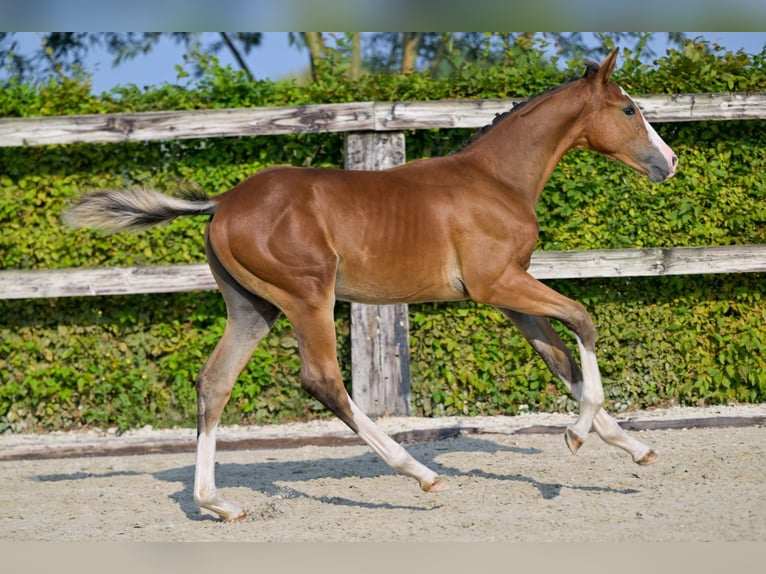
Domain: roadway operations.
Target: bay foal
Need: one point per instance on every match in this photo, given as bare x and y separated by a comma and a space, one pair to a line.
294, 240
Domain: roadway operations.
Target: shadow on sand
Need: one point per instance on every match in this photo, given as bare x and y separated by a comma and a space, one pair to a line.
367, 465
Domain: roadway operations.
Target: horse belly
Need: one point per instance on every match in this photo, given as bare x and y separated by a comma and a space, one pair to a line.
413, 283
402, 254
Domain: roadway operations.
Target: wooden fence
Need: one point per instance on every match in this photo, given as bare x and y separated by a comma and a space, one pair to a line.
374, 140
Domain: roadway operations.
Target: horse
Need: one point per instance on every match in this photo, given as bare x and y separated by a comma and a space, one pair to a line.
294, 240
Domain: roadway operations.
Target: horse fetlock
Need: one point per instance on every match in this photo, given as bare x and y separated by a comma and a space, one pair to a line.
227, 511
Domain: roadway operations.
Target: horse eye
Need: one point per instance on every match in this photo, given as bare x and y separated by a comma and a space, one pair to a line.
629, 111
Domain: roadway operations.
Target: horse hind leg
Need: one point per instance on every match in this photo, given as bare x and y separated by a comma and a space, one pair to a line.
321, 377
544, 339
249, 319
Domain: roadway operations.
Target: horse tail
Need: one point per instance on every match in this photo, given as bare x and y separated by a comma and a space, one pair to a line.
134, 210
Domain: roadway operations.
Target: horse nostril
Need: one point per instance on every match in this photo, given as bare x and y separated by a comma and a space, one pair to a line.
675, 160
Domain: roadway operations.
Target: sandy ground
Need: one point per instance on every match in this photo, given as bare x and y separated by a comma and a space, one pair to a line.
709, 484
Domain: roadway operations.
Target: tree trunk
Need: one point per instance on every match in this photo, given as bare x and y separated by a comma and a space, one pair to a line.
410, 43
356, 56
315, 45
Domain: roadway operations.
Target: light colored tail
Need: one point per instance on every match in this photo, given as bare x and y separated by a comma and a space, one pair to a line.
133, 210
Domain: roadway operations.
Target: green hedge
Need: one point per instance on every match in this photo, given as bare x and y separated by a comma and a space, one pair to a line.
131, 360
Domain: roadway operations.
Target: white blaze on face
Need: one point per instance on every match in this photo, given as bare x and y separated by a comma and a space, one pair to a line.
657, 141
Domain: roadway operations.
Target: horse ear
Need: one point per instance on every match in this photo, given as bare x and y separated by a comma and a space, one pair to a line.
607, 66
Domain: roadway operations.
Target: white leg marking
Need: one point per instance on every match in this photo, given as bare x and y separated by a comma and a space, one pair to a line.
205, 492
612, 433
608, 429
605, 426
592, 396
392, 453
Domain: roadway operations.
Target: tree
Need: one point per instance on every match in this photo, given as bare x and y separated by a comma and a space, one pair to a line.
440, 53
320, 47
410, 43
62, 53
316, 47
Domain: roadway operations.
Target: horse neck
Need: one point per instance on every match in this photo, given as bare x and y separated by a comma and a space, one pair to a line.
522, 150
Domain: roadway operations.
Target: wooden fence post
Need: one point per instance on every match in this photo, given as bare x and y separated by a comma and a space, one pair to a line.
380, 351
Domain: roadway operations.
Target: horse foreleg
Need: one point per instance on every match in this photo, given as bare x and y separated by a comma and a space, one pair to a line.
394, 454
520, 292
544, 339
321, 377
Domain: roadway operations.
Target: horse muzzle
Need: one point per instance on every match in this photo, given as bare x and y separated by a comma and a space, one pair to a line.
662, 166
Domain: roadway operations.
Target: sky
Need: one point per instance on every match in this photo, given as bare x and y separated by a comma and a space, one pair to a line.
276, 59
273, 59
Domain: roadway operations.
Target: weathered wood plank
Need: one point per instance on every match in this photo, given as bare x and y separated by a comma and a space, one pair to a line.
698, 107
380, 351
380, 365
440, 114
594, 263
80, 282
656, 108
346, 117
144, 126
30, 284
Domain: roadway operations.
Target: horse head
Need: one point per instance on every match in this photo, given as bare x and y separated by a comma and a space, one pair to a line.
617, 128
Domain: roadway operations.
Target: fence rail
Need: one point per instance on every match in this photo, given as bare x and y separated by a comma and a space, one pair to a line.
349, 117
380, 362
583, 264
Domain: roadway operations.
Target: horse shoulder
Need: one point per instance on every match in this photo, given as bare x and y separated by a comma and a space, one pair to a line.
499, 237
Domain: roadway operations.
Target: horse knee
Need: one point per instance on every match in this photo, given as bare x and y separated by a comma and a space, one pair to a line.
581, 323
591, 391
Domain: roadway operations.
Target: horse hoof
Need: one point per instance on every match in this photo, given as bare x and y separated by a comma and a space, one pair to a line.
649, 458
234, 517
231, 515
574, 441
437, 485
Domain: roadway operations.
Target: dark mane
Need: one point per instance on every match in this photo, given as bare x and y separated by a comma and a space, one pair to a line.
591, 68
